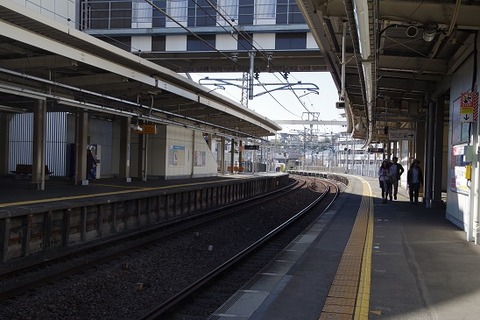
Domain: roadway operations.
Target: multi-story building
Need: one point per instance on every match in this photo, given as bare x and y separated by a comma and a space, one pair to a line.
207, 35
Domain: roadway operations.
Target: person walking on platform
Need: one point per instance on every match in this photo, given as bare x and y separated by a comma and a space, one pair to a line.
396, 170
414, 180
384, 179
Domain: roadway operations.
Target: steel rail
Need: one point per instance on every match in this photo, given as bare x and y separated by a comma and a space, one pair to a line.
165, 307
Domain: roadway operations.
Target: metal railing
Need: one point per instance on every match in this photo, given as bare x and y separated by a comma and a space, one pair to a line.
124, 14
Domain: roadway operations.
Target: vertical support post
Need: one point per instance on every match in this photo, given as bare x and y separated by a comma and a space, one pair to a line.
222, 155
438, 152
240, 155
142, 156
81, 148
419, 147
39, 139
232, 156
125, 140
192, 173
4, 143
428, 176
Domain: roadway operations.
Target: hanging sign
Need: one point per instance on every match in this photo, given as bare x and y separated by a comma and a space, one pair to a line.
401, 134
468, 106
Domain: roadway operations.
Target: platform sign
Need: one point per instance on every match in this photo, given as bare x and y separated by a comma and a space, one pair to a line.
468, 106
251, 147
375, 150
146, 129
401, 134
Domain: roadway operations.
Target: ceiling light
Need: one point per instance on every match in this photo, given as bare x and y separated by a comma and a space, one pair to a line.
412, 31
429, 31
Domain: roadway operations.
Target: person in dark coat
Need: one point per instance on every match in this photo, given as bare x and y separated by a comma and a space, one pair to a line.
91, 164
396, 170
414, 180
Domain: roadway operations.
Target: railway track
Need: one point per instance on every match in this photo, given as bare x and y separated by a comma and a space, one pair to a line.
121, 255
247, 259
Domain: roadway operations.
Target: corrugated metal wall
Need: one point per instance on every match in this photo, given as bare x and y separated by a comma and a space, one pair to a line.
21, 141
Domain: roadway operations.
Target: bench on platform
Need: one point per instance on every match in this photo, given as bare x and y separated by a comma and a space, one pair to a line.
25, 170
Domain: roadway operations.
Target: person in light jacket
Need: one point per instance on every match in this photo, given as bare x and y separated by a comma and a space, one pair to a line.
384, 178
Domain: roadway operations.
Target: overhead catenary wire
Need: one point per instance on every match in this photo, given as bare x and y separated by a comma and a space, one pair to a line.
255, 48
255, 45
247, 37
197, 36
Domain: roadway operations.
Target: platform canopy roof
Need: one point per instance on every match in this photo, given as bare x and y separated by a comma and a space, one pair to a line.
41, 59
398, 55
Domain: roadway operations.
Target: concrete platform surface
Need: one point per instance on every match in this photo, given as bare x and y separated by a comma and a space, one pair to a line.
420, 267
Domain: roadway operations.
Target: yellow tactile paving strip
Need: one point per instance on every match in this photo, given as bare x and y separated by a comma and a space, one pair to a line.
349, 295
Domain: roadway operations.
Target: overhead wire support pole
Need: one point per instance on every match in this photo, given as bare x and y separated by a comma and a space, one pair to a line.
342, 93
244, 100
250, 78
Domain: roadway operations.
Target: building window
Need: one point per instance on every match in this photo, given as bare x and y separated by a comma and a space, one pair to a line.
245, 41
286, 41
288, 12
177, 10
265, 11
158, 43
195, 44
201, 13
141, 15
229, 10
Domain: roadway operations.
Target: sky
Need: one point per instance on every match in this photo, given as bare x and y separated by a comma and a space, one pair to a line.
285, 104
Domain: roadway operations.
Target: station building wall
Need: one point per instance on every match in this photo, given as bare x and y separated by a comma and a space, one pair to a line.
458, 209
188, 154
175, 152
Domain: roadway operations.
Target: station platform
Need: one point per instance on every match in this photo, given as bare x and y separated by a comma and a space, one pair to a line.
364, 259
20, 191
65, 216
